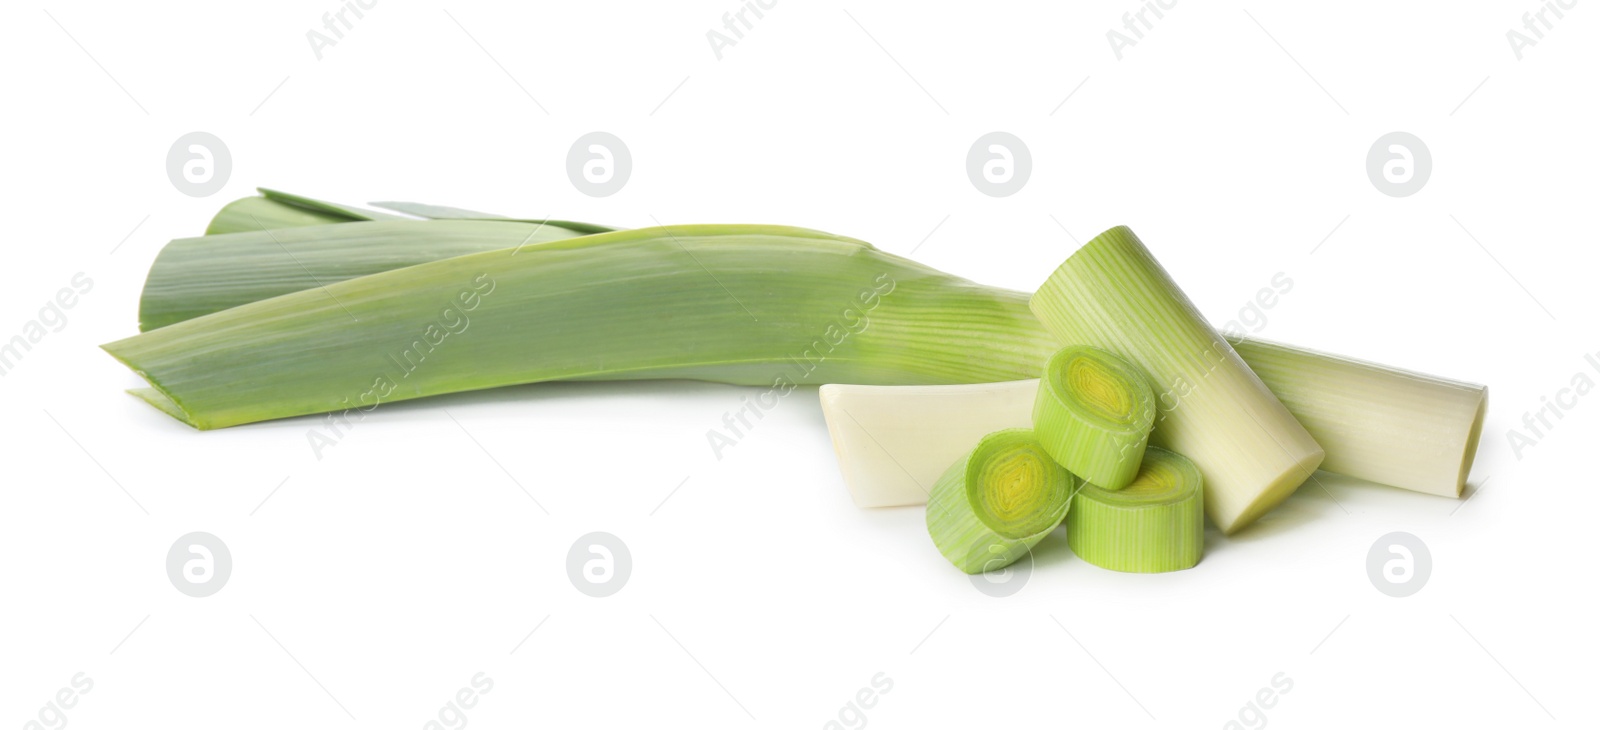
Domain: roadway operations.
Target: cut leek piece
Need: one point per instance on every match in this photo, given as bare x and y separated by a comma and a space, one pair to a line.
1154, 525
995, 503
1112, 294
1377, 423
192, 277
893, 441
1093, 413
771, 306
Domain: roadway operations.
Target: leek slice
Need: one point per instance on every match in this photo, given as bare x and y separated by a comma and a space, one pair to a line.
192, 277
1112, 294
1093, 414
754, 305
1154, 525
995, 503
1377, 423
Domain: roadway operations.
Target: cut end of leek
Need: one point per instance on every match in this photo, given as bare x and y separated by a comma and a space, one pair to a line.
1378, 423
1093, 414
997, 502
1154, 525
894, 441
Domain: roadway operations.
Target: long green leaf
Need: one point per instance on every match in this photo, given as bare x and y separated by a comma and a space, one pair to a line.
754, 305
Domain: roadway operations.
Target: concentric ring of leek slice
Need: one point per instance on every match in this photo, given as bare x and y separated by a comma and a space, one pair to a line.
1154, 525
1093, 414
998, 501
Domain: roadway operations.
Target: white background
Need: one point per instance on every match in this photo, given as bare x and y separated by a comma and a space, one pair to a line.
377, 581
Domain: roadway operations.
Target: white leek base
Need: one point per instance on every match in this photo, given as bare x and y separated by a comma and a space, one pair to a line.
893, 441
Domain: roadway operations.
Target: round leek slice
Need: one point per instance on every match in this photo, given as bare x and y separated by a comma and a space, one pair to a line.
1154, 525
994, 504
1093, 414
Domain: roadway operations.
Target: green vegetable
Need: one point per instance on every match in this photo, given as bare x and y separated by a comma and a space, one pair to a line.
994, 504
1154, 525
1093, 414
192, 277
752, 305
1112, 294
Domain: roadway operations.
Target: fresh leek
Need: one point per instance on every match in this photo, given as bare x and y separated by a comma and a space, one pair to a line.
756, 305
1377, 423
995, 503
1112, 294
1154, 525
1093, 414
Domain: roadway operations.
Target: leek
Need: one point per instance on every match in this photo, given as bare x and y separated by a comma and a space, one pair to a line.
995, 503
192, 277
1377, 423
1112, 294
1154, 525
1093, 414
753, 305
